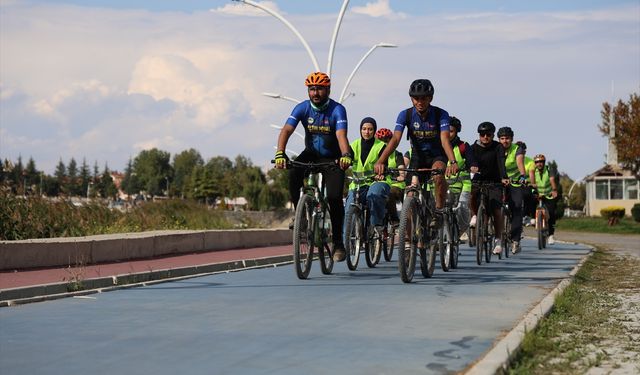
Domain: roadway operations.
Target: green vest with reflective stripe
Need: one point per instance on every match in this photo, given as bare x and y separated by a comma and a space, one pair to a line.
510, 163
392, 163
464, 185
528, 166
357, 165
543, 181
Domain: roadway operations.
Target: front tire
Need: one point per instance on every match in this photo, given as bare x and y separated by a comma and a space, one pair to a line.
325, 251
480, 228
355, 238
388, 244
374, 250
409, 233
303, 237
444, 245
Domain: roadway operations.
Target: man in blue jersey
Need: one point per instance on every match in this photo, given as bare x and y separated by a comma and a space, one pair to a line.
325, 127
428, 130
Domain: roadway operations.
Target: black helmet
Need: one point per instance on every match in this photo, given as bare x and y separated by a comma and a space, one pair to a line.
453, 121
421, 87
486, 127
505, 132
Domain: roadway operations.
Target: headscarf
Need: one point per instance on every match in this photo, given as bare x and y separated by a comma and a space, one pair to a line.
367, 144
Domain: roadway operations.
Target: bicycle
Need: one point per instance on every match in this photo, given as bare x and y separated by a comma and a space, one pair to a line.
449, 234
542, 225
312, 224
358, 233
389, 236
415, 218
484, 230
505, 211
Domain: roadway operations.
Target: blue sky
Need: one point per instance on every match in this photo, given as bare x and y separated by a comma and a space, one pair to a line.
104, 80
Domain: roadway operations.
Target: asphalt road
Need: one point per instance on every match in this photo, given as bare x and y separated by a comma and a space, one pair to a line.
266, 321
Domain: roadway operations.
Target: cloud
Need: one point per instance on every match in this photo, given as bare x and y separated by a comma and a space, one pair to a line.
381, 8
240, 9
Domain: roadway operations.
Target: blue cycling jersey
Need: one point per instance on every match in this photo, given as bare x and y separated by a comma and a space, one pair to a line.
425, 134
320, 127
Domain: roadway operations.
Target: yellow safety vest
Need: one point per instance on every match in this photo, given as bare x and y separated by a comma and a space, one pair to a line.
357, 165
464, 185
543, 181
391, 163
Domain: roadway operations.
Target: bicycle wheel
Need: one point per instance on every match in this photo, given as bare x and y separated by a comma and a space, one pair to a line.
471, 232
388, 244
428, 256
506, 234
480, 228
455, 244
444, 244
540, 229
409, 233
355, 237
325, 251
489, 236
374, 248
303, 236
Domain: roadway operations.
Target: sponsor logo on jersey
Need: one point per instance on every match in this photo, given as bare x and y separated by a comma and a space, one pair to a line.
310, 120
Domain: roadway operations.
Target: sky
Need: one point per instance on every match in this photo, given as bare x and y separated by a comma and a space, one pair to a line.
104, 80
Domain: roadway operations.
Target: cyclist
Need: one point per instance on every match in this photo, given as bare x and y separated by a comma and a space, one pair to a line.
396, 160
325, 126
489, 156
464, 158
514, 165
544, 180
366, 152
428, 129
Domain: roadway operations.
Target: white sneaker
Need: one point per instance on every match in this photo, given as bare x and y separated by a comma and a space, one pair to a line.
532, 222
515, 247
497, 249
464, 237
472, 222
550, 240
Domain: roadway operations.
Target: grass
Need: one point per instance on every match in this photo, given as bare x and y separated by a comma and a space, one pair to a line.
598, 225
587, 321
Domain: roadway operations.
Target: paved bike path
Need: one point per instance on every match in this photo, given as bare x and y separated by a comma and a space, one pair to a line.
266, 321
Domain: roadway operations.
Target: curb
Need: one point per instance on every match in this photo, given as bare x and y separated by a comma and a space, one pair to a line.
46, 292
504, 351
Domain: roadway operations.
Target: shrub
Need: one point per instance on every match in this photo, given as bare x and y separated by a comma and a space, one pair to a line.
635, 212
613, 214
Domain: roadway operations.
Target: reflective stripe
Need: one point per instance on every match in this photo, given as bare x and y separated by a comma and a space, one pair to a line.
510, 162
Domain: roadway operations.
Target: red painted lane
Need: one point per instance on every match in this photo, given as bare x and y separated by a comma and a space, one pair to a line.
23, 278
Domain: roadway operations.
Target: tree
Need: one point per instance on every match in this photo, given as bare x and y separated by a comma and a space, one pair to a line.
32, 176
61, 175
73, 187
85, 178
627, 131
151, 168
576, 200
105, 185
183, 165
130, 183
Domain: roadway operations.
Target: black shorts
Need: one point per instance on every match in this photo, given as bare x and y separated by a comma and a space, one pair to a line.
423, 160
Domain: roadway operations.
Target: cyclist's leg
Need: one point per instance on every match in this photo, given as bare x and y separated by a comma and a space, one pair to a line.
440, 185
334, 182
551, 208
376, 201
515, 195
495, 203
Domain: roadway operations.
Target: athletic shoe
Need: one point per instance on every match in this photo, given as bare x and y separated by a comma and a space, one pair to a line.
551, 240
339, 254
379, 231
464, 237
472, 222
532, 222
292, 223
515, 247
497, 249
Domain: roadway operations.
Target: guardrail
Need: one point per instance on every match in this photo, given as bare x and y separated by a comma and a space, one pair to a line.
74, 251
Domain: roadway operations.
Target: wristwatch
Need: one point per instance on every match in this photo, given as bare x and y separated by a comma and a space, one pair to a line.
453, 162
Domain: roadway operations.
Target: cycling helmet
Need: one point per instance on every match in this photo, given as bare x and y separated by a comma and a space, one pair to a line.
505, 132
421, 87
317, 79
538, 158
453, 121
486, 127
384, 134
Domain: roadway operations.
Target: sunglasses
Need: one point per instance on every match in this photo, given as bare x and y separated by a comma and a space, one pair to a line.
486, 134
540, 162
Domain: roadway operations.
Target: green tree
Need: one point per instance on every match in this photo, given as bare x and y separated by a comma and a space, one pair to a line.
151, 168
72, 185
626, 117
220, 175
61, 176
31, 176
183, 165
85, 178
105, 186
130, 182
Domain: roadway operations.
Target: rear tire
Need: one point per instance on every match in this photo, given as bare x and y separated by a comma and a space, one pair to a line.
388, 245
409, 232
540, 230
303, 237
480, 228
355, 238
455, 248
428, 258
374, 250
444, 244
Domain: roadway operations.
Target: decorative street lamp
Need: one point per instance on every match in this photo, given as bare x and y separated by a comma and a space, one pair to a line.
346, 85
295, 132
278, 96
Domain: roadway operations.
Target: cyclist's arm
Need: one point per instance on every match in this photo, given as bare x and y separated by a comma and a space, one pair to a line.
554, 186
283, 138
343, 142
520, 164
389, 148
532, 177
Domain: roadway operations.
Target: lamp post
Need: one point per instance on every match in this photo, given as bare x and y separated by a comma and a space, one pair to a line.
332, 47
280, 128
279, 96
289, 25
373, 48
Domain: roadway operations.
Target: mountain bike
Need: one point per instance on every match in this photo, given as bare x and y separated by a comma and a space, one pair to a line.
414, 232
358, 233
507, 216
542, 224
312, 225
449, 233
484, 223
